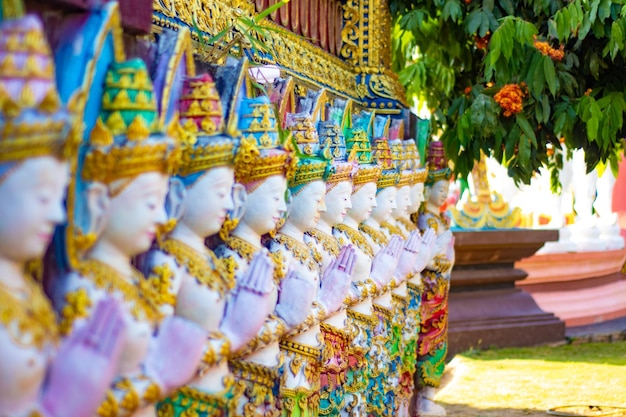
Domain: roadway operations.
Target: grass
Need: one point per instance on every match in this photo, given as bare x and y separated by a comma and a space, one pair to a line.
529, 381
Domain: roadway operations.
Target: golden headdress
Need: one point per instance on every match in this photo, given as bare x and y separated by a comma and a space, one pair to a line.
313, 162
437, 164
32, 120
204, 145
412, 162
260, 154
331, 134
381, 152
127, 139
358, 141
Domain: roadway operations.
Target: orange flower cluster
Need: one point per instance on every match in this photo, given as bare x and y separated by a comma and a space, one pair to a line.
510, 99
546, 49
482, 42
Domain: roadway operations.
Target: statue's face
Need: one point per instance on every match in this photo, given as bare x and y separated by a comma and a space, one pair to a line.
134, 214
417, 197
306, 207
363, 202
31, 205
403, 202
265, 206
208, 200
385, 204
438, 192
338, 201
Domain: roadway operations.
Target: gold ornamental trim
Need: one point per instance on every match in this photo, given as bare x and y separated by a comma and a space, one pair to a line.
364, 76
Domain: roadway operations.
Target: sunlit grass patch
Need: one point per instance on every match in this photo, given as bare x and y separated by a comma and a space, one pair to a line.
529, 381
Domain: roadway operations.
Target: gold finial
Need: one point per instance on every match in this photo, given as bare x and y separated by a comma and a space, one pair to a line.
138, 131
27, 97
116, 123
51, 102
177, 132
100, 134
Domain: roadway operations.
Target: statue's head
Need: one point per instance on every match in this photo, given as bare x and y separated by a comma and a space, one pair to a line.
34, 127
343, 167
262, 165
404, 167
439, 175
307, 186
127, 164
201, 192
387, 183
364, 180
417, 174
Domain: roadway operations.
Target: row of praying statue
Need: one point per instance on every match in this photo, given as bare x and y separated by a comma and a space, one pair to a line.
176, 244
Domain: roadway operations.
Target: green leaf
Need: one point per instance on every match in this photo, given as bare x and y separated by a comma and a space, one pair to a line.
511, 142
506, 33
413, 19
524, 32
492, 56
550, 74
594, 65
270, 10
593, 13
507, 6
217, 37
528, 130
539, 79
473, 21
452, 9
604, 9
523, 151
592, 128
484, 24
616, 41
545, 104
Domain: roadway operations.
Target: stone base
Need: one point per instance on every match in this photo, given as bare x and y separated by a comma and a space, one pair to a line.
499, 318
486, 310
580, 288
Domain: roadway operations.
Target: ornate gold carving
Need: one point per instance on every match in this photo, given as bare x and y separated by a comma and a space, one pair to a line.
211, 273
77, 305
303, 358
352, 34
251, 166
161, 280
228, 226
357, 239
130, 161
393, 229
408, 225
329, 243
241, 247
135, 290
377, 236
30, 322
300, 251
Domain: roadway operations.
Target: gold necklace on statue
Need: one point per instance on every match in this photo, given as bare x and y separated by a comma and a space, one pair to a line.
328, 242
408, 225
393, 229
377, 236
139, 292
211, 274
30, 322
305, 255
243, 248
357, 238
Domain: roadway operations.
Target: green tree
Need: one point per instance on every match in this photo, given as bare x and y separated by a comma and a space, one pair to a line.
518, 79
